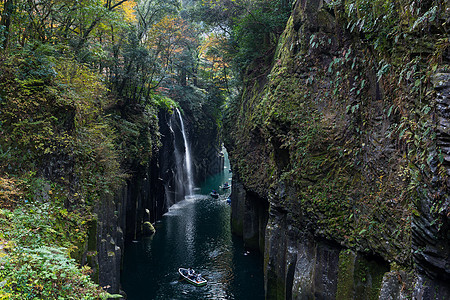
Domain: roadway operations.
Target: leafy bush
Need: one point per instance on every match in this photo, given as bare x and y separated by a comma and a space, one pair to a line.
252, 27
44, 273
43, 239
52, 119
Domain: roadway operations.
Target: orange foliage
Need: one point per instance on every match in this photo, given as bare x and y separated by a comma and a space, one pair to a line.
170, 36
212, 52
9, 192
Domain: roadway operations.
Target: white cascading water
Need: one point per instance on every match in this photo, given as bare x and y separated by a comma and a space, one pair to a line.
187, 157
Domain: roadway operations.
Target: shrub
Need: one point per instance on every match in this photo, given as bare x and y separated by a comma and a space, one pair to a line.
44, 273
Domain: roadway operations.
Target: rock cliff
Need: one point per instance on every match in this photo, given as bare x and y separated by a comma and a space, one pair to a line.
339, 153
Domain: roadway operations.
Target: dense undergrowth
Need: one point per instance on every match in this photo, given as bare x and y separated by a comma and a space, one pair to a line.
41, 240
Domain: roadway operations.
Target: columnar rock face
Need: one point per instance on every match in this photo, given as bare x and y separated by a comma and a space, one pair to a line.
204, 136
167, 166
201, 111
249, 215
341, 163
120, 217
431, 238
110, 240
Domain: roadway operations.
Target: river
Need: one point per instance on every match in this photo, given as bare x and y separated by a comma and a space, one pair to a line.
195, 233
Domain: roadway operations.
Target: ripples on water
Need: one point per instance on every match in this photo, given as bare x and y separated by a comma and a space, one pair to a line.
194, 233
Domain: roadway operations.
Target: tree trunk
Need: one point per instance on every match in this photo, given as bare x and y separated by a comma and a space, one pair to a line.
182, 75
5, 21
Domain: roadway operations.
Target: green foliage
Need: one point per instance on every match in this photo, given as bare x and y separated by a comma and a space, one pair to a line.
36, 63
253, 27
164, 103
52, 111
31, 114
146, 53
59, 149
205, 106
43, 220
42, 236
344, 125
256, 32
44, 273
137, 137
409, 40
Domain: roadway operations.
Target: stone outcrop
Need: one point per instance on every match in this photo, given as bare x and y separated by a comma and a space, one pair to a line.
340, 172
201, 115
110, 240
249, 215
431, 241
121, 218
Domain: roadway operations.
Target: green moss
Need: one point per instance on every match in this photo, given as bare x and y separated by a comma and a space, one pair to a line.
92, 235
92, 262
148, 228
368, 278
275, 287
332, 110
345, 288
359, 277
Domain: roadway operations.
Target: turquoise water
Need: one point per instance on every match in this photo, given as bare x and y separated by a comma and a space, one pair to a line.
195, 233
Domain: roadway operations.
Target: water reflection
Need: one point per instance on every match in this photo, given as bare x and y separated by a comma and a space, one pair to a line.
194, 233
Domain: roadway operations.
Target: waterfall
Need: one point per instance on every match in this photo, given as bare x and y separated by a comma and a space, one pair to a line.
180, 183
187, 156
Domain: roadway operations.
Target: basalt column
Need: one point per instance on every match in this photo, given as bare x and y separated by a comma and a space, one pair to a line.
249, 215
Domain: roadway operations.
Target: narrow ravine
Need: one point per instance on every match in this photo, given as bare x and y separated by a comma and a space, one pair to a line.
194, 233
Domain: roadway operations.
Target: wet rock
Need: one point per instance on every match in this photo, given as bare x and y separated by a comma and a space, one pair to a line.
395, 286
249, 215
148, 229
424, 288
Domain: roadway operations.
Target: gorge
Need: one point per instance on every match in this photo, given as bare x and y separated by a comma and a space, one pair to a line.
334, 114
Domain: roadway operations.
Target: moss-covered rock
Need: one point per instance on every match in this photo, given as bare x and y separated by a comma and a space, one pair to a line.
148, 229
359, 277
340, 137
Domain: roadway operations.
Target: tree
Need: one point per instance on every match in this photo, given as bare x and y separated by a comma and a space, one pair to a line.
215, 60
252, 26
136, 68
173, 42
5, 22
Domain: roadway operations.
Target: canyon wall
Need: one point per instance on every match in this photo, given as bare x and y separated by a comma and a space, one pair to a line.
340, 155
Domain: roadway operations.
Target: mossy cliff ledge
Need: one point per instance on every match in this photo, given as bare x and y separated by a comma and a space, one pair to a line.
340, 153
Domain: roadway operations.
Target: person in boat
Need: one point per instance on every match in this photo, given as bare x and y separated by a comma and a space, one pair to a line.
191, 272
225, 184
214, 191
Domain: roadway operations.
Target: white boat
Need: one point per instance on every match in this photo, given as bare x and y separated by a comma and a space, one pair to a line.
192, 277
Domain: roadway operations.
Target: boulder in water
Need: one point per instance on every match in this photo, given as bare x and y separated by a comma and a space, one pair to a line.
148, 229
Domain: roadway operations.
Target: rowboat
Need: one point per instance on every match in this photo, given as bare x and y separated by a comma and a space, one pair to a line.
214, 194
194, 278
